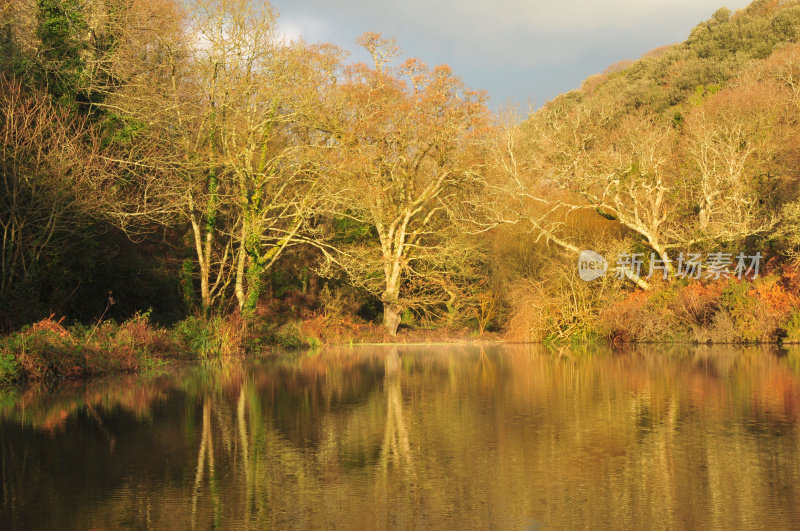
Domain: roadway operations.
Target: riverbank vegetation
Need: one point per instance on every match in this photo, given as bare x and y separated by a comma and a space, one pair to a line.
184, 161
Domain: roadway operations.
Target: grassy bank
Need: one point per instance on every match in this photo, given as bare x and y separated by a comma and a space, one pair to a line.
48, 350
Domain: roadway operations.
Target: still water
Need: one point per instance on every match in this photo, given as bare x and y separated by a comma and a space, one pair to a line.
436, 437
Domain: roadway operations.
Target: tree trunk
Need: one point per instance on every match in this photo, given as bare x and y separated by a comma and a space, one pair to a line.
204, 261
205, 292
255, 283
392, 314
664, 257
241, 259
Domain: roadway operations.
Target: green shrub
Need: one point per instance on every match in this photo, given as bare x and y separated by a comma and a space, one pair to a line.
752, 312
9, 369
792, 328
290, 337
212, 338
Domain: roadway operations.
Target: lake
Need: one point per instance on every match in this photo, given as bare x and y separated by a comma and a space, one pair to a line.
422, 437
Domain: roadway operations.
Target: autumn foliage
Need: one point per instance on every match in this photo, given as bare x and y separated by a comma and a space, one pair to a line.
267, 173
722, 311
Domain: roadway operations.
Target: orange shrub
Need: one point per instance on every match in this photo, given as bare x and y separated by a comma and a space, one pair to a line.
773, 296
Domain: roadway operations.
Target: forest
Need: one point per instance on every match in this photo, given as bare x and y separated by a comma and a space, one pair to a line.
179, 180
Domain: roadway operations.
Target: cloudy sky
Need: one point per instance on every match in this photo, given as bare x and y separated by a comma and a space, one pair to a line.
517, 50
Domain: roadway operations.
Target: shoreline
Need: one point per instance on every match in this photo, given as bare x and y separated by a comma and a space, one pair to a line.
49, 353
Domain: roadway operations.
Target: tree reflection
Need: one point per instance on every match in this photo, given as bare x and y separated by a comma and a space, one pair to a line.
414, 436
395, 447
205, 455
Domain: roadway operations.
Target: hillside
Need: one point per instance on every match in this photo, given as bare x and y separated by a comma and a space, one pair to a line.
715, 52
690, 151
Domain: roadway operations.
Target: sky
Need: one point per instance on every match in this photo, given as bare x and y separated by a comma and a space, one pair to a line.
523, 52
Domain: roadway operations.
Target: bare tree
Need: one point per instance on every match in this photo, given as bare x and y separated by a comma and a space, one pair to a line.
732, 147
410, 170
49, 169
564, 161
233, 134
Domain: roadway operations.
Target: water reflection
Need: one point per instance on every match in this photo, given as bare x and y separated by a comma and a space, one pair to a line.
395, 446
512, 437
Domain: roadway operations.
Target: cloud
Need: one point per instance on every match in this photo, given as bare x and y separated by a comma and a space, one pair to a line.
546, 31
309, 28
501, 44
